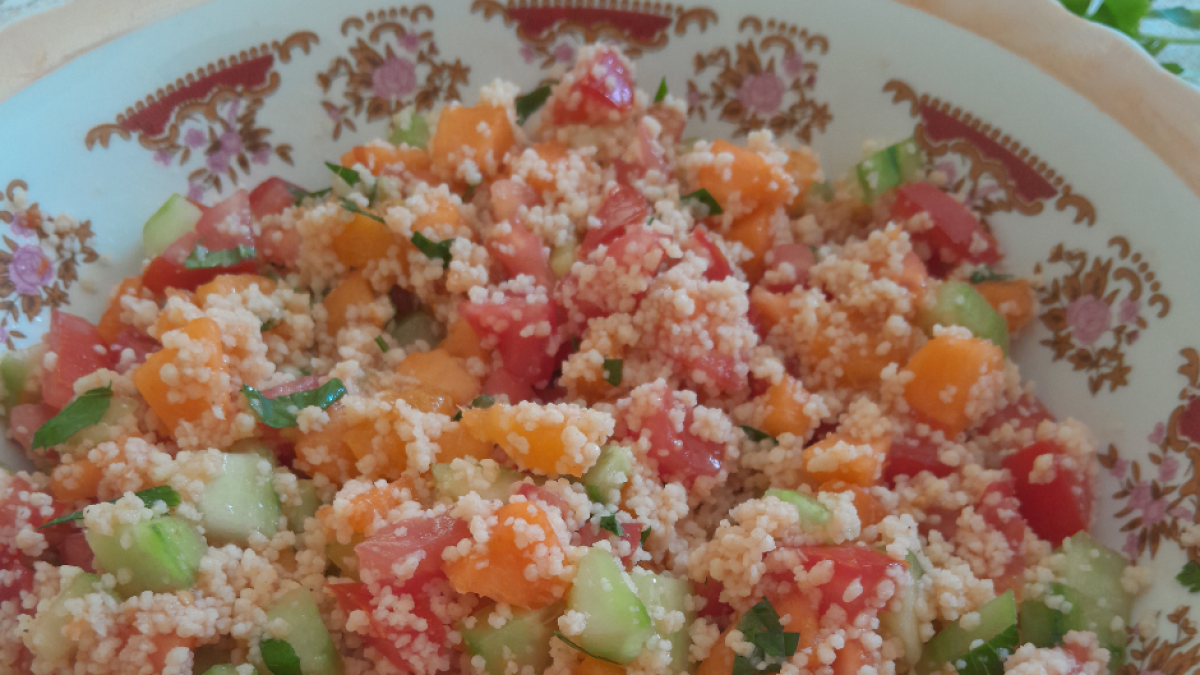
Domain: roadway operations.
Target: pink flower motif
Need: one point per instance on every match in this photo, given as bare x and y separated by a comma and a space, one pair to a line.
763, 92
1139, 496
1168, 469
411, 42
1154, 513
1158, 434
793, 64
1130, 549
947, 167
334, 113
1089, 317
1119, 468
262, 155
195, 192
231, 142
1132, 336
30, 269
693, 98
564, 53
1128, 310
394, 78
3, 333
163, 157
194, 138
20, 225
218, 162
528, 54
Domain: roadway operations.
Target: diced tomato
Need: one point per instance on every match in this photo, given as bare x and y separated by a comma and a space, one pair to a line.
800, 258
713, 608
500, 381
26, 419
16, 576
850, 564
680, 455
15, 508
384, 638
718, 266
508, 196
1026, 412
1057, 508
547, 498
910, 455
223, 226
226, 224
604, 85
80, 351
1001, 511
141, 344
955, 232
529, 358
73, 550
941, 520
294, 387
621, 209
718, 369
650, 149
272, 196
424, 535
672, 121
521, 252
637, 249
590, 533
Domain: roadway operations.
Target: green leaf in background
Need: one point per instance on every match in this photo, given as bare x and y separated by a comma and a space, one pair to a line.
279, 657
529, 103
1127, 16
201, 258
1180, 16
276, 413
79, 414
162, 493
1189, 576
1173, 68
301, 194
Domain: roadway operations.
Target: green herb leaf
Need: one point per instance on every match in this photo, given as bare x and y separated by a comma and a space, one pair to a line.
349, 175
645, 536
1173, 68
201, 258
353, 208
469, 193
986, 274
772, 645
528, 104
1180, 16
914, 565
79, 414
300, 194
757, 435
988, 658
662, 91
162, 493
1189, 576
614, 370
610, 523
481, 401
269, 324
703, 197
433, 250
383, 346
562, 637
277, 412
279, 657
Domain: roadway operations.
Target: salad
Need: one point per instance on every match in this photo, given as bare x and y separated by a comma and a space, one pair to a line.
542, 385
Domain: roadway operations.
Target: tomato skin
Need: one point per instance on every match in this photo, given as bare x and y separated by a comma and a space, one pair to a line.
605, 85
590, 533
272, 196
527, 358
850, 564
74, 550
80, 350
393, 543
521, 252
26, 419
720, 371
680, 455
1056, 509
800, 257
508, 196
500, 381
142, 345
999, 508
718, 266
357, 596
621, 209
910, 455
715, 610
168, 270
954, 227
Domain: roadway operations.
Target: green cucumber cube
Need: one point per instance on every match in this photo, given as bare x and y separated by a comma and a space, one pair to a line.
171, 221
811, 511
494, 481
958, 304
1040, 625
610, 472
523, 640
159, 555
562, 257
306, 632
671, 594
617, 623
997, 630
894, 165
46, 635
1092, 584
414, 326
298, 514
241, 501
904, 624
16, 373
409, 127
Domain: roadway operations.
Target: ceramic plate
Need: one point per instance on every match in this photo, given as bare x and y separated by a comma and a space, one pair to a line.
1082, 155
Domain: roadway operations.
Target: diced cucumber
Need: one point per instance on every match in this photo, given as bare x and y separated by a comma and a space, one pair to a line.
409, 127
297, 514
811, 511
669, 593
306, 632
958, 304
171, 221
562, 257
248, 446
904, 624
16, 373
466, 475
417, 325
914, 565
241, 501
161, 554
105, 430
998, 631
46, 635
1092, 584
610, 472
894, 165
343, 556
1039, 624
617, 624
523, 640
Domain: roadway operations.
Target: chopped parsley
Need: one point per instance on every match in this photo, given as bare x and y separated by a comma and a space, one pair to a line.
354, 208
469, 193
278, 412
269, 325
988, 658
301, 194
79, 414
757, 435
162, 493
702, 197
985, 273
279, 657
1189, 576
662, 91
614, 370
349, 175
772, 645
645, 536
610, 523
434, 250
481, 401
527, 104
383, 346
201, 258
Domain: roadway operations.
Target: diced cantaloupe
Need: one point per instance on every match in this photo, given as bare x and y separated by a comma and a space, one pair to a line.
535, 437
943, 372
1012, 299
110, 325
439, 372
353, 291
480, 133
165, 399
785, 401
363, 240
521, 538
228, 284
757, 183
754, 232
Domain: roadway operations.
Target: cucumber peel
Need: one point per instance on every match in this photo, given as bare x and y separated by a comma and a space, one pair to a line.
812, 512
175, 218
958, 304
997, 630
524, 639
162, 556
617, 623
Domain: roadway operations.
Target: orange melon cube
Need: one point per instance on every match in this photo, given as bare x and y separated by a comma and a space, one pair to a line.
366, 506
1012, 299
363, 240
481, 133
166, 399
720, 657
353, 291
758, 184
457, 443
772, 308
535, 436
380, 158
228, 284
437, 371
870, 510
842, 458
944, 371
75, 482
110, 325
754, 232
552, 152
498, 570
857, 346
462, 342
325, 451
803, 167
442, 217
785, 402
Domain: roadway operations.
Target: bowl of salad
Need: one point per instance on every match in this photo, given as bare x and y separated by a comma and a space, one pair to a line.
595, 338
